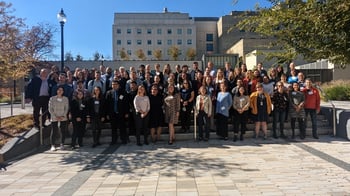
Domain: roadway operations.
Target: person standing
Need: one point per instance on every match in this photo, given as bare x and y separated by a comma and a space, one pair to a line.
203, 113
187, 98
312, 105
58, 108
223, 105
79, 113
156, 113
241, 104
142, 108
260, 104
38, 92
280, 103
117, 107
96, 114
172, 111
296, 109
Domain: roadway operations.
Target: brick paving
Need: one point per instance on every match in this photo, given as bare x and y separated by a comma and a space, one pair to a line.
249, 167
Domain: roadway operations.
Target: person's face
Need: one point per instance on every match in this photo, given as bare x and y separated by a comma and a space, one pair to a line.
295, 87
241, 90
203, 91
141, 90
154, 91
300, 77
115, 85
283, 78
97, 76
256, 73
60, 91
43, 73
195, 66
308, 84
266, 80
185, 84
259, 66
62, 78
133, 86
97, 91
109, 70
239, 82
156, 79
80, 85
223, 87
171, 89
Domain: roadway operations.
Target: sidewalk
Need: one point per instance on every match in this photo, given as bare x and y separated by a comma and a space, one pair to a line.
249, 167
5, 110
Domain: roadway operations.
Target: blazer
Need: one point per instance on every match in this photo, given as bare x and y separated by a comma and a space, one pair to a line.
207, 104
102, 108
254, 102
77, 110
122, 102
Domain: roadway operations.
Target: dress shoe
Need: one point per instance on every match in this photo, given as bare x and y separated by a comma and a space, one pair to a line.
234, 138
241, 137
170, 143
139, 144
315, 137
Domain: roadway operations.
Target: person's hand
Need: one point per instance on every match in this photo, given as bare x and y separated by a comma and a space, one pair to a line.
88, 119
102, 119
78, 119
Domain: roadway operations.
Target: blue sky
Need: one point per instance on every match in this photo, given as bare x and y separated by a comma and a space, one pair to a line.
89, 22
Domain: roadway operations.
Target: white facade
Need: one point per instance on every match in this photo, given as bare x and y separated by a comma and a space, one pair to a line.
153, 31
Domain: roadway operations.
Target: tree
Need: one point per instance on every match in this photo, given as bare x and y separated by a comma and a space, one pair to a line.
157, 53
316, 29
68, 56
191, 53
96, 56
20, 46
140, 54
174, 52
124, 55
79, 58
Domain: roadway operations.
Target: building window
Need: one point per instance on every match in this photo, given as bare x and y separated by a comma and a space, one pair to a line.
170, 42
149, 42
139, 31
159, 31
119, 31
179, 31
189, 42
149, 52
139, 42
210, 47
159, 42
149, 31
128, 31
189, 31
169, 31
210, 37
119, 42
128, 42
129, 52
179, 42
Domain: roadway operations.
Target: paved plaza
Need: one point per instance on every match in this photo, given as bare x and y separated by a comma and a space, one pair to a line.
249, 167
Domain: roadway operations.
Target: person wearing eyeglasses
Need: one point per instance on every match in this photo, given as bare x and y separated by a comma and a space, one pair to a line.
260, 103
280, 103
187, 98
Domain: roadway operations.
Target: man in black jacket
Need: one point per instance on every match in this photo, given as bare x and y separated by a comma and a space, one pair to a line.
38, 92
117, 109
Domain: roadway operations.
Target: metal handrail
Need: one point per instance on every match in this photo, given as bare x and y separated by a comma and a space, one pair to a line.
333, 108
41, 127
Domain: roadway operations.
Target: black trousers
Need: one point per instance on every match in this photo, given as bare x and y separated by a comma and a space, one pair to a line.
301, 122
96, 128
54, 131
41, 104
118, 121
141, 127
79, 129
222, 125
185, 116
203, 120
240, 119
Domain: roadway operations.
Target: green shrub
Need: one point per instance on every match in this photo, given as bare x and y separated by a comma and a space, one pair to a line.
338, 90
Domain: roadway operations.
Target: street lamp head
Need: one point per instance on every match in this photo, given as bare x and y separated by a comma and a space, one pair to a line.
61, 17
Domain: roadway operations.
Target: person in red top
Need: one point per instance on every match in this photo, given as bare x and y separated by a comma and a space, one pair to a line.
311, 105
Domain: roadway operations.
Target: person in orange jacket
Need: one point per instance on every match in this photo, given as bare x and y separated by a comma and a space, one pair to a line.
260, 103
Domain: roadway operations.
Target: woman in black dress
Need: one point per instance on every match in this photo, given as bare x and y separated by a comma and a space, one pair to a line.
156, 113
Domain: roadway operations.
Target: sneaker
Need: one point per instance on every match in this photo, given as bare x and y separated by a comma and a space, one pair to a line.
53, 148
61, 147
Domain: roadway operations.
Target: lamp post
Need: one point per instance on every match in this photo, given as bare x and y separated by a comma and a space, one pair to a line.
102, 59
62, 19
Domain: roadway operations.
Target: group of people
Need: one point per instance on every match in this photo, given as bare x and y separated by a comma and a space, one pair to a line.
140, 101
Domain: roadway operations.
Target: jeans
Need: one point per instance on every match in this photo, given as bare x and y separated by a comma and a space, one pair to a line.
278, 116
313, 117
203, 119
